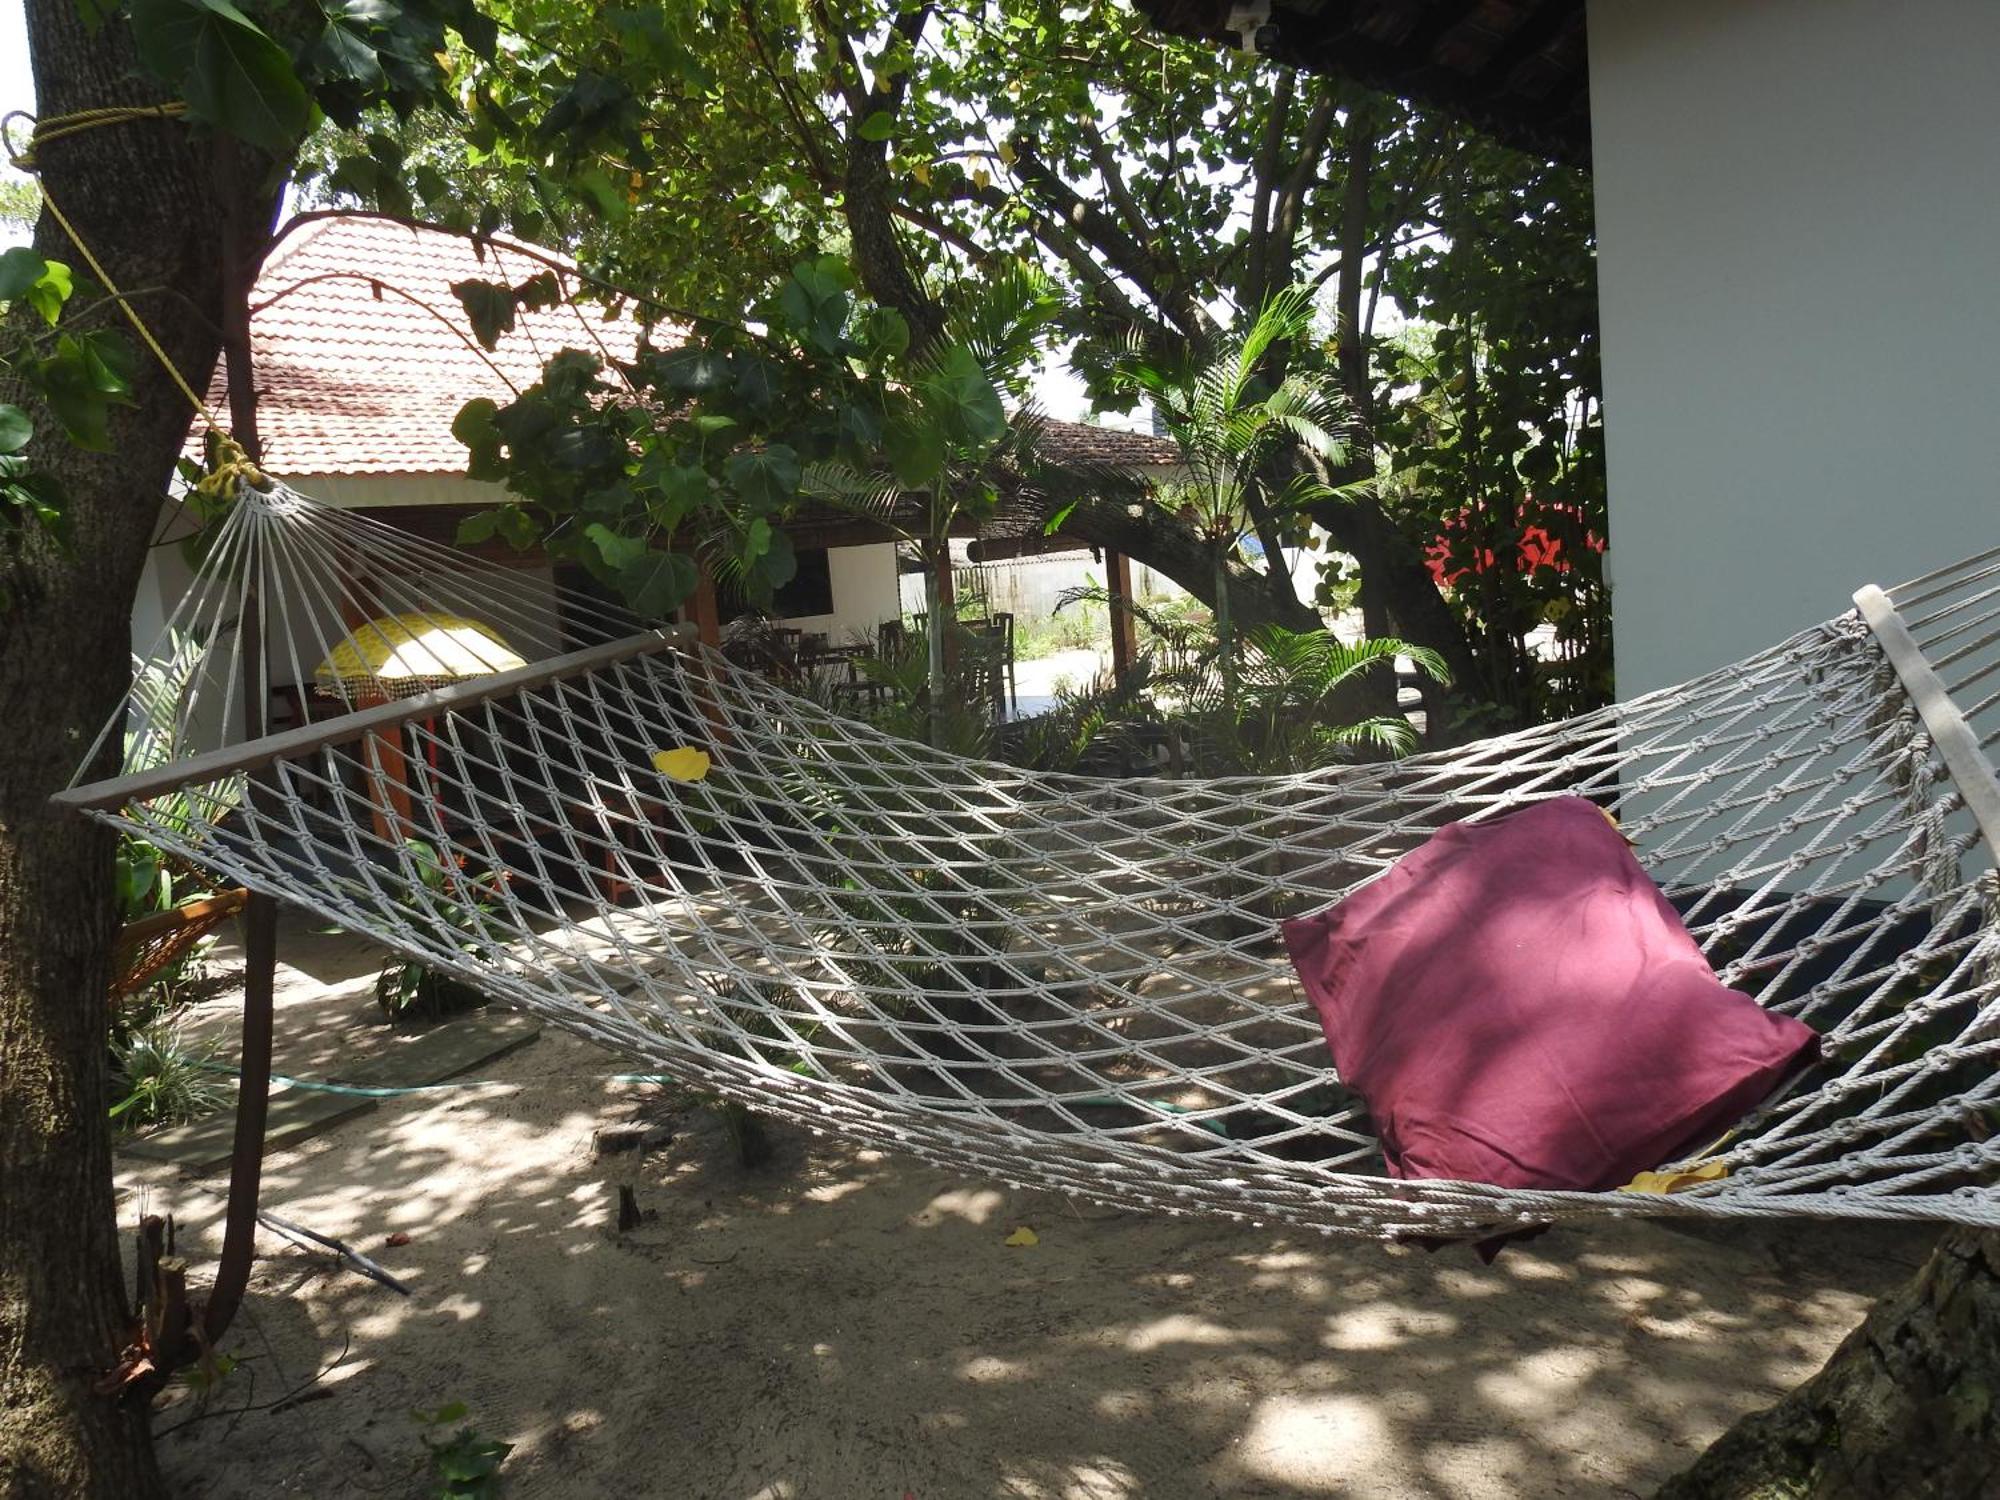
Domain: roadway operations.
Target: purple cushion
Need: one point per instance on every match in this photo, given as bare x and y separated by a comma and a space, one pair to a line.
1518, 1004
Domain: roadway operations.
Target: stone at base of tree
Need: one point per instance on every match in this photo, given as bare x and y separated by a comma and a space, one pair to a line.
1908, 1407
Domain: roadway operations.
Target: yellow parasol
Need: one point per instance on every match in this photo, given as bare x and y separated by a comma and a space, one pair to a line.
397, 655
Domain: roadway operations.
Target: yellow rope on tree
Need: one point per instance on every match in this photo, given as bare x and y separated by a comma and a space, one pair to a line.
73, 124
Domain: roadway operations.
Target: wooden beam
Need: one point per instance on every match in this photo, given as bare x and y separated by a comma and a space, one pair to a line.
947, 603
704, 614
1124, 628
118, 791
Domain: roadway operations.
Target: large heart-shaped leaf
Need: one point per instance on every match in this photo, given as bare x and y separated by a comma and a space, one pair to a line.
962, 394
617, 550
674, 490
767, 478
914, 448
656, 582
20, 268
233, 75
15, 429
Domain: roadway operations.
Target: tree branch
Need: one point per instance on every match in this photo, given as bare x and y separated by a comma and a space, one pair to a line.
1089, 223
1256, 285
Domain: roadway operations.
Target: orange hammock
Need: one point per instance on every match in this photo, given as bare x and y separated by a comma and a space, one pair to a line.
145, 949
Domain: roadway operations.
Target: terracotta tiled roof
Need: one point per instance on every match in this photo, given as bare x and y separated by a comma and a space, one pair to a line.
1080, 442
364, 356
356, 377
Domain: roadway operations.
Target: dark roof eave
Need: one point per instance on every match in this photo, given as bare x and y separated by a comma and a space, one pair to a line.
1528, 87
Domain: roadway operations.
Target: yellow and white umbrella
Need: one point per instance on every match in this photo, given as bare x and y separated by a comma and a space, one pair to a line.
397, 655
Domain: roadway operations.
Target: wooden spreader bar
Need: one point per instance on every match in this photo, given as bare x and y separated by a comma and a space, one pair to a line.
252, 755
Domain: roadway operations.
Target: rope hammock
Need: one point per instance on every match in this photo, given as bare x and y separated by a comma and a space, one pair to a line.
1069, 982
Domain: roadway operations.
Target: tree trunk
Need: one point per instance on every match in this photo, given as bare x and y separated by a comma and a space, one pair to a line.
1171, 548
143, 197
1395, 569
1908, 1406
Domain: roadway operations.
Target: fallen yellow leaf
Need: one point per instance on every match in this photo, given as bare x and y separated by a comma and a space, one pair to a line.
682, 763
1673, 1182
1023, 1237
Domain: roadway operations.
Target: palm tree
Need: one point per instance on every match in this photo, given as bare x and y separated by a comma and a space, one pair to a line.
1247, 442
1252, 446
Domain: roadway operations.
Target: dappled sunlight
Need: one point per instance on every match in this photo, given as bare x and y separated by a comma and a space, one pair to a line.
1310, 1442
846, 1322
973, 1205
1182, 1329
1081, 1479
1386, 1326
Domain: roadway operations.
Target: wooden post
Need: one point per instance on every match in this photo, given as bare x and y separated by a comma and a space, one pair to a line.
944, 613
707, 618
1124, 631
388, 772
253, 1099
260, 912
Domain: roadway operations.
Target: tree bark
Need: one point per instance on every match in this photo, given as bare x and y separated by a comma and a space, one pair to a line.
143, 196
1174, 550
1908, 1406
1401, 579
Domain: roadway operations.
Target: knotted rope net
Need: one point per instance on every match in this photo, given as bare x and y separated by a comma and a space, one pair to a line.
1071, 982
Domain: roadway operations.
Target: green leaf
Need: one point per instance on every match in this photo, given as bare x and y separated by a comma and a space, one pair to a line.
767, 478
757, 382
346, 52
886, 332
655, 583
231, 73
815, 303
474, 422
48, 295
20, 268
518, 529
914, 448
107, 360
478, 528
585, 450
15, 429
964, 398
689, 372
675, 490
774, 567
877, 127
604, 194
44, 284
73, 381
489, 307
94, 13
618, 551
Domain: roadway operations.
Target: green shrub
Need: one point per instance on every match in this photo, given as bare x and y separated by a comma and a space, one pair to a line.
456, 910
162, 1079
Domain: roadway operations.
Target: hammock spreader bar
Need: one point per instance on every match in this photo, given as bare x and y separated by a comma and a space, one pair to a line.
1957, 746
115, 792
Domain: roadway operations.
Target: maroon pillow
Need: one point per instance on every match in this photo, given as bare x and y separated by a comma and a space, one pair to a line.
1519, 1005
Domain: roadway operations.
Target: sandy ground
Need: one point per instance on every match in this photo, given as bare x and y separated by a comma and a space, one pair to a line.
850, 1325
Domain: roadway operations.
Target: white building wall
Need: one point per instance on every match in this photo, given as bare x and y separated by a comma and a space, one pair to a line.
863, 583
1798, 210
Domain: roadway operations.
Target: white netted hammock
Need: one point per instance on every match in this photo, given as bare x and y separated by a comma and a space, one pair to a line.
1073, 982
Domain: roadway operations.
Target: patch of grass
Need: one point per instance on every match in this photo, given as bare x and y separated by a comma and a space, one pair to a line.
1077, 627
